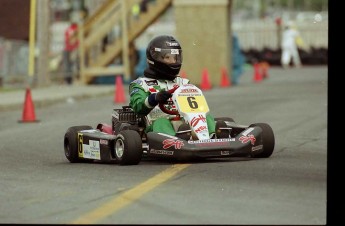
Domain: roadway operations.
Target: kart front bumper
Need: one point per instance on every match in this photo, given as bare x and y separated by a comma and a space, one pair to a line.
244, 144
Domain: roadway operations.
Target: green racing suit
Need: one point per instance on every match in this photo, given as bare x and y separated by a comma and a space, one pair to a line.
157, 121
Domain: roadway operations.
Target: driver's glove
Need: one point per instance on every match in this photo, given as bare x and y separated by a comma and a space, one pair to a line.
159, 98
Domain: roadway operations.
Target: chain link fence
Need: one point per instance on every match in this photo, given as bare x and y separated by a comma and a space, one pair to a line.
13, 61
262, 34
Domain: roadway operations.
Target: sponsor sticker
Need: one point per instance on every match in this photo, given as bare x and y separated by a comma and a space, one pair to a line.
201, 129
259, 147
174, 51
224, 152
161, 152
105, 142
80, 145
91, 150
192, 104
210, 141
138, 81
189, 91
152, 82
134, 91
246, 139
172, 44
213, 144
195, 120
167, 143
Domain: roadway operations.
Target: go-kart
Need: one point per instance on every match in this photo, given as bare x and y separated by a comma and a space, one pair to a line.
125, 141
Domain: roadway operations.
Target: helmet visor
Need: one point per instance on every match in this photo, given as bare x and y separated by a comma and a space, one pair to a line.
167, 56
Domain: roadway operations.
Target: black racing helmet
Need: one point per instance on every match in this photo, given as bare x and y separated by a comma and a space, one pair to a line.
164, 57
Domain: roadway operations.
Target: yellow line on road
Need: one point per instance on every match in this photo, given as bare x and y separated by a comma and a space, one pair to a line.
129, 196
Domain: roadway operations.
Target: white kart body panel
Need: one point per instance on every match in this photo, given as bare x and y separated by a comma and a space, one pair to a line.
192, 106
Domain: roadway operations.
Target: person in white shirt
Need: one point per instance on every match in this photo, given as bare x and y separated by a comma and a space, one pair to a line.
289, 46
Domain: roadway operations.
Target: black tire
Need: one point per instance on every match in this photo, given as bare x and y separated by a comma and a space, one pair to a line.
71, 144
268, 140
128, 147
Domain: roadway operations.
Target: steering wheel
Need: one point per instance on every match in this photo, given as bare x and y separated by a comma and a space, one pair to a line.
164, 109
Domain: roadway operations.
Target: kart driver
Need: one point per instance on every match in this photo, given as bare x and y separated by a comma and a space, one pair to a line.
164, 60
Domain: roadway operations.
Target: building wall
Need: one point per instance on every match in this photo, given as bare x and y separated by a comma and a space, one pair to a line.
204, 31
14, 19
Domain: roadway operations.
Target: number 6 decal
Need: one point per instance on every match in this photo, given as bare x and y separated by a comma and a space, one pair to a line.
192, 103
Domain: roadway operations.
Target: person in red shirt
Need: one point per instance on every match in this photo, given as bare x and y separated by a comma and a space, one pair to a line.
71, 44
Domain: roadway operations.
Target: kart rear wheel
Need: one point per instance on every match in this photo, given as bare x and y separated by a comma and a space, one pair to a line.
71, 144
128, 147
268, 140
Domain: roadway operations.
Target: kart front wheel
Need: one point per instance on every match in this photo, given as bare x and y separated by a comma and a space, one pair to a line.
71, 143
128, 147
268, 140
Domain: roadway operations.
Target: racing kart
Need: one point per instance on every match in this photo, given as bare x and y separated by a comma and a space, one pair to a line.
125, 141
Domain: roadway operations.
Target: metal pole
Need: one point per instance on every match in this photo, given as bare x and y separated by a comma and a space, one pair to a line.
81, 52
32, 31
125, 52
230, 34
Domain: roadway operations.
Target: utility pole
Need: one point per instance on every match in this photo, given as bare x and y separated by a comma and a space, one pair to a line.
43, 40
125, 51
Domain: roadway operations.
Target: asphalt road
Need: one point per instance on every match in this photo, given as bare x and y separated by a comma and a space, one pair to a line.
39, 185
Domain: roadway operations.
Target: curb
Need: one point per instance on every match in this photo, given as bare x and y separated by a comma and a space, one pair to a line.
44, 102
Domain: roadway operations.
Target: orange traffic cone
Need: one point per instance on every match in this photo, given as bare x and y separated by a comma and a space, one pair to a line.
205, 81
224, 82
119, 96
183, 74
29, 108
257, 75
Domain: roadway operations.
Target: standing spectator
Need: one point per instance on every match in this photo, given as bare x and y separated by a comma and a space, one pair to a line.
71, 43
79, 12
238, 60
290, 40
